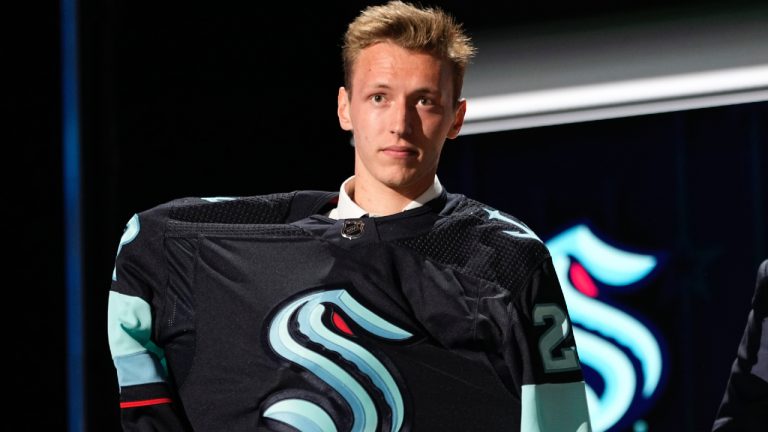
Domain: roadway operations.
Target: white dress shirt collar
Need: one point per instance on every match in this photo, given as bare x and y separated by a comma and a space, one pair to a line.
348, 209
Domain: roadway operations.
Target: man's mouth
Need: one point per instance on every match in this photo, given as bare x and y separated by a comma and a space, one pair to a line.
400, 152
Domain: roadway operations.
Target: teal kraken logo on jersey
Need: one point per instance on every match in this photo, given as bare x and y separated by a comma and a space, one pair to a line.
308, 311
611, 342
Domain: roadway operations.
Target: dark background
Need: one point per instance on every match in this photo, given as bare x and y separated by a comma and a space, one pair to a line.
221, 99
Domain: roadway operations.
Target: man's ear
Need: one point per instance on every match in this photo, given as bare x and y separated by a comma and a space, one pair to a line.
342, 110
458, 120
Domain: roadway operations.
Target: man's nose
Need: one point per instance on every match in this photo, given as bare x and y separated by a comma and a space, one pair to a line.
401, 118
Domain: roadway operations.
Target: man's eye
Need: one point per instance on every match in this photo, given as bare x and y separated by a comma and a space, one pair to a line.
377, 98
425, 101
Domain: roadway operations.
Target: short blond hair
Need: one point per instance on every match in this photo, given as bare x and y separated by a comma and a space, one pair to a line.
429, 30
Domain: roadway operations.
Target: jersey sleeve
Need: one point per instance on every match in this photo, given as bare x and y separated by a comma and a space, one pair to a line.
744, 406
147, 400
541, 351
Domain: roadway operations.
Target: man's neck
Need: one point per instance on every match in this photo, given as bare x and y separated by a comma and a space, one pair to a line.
380, 200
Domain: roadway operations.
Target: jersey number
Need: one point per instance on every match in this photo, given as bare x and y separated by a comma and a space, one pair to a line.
555, 360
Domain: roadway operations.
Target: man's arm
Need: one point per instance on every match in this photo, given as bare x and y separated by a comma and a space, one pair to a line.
146, 399
553, 392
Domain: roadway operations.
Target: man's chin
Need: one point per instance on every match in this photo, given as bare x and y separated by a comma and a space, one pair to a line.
397, 181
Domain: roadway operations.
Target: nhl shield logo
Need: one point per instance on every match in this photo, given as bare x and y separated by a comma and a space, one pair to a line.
352, 228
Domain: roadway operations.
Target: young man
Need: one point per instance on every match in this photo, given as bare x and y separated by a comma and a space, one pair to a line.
391, 305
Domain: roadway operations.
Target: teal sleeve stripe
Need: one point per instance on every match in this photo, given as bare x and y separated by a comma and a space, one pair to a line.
138, 368
129, 324
555, 407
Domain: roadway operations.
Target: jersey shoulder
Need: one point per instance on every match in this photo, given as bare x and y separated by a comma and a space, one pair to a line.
257, 209
141, 249
483, 242
275, 208
488, 217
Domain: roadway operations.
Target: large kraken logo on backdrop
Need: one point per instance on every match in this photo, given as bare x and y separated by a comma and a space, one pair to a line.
623, 352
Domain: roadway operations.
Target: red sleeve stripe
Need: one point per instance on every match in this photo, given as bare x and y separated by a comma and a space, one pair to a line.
134, 404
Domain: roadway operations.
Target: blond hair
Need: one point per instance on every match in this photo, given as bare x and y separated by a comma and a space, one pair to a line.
414, 28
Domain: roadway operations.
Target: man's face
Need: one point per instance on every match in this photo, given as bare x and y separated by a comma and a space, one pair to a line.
401, 110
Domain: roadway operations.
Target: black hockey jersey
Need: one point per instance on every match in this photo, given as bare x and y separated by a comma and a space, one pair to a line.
260, 313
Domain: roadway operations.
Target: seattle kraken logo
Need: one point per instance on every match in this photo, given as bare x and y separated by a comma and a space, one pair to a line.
579, 256
308, 311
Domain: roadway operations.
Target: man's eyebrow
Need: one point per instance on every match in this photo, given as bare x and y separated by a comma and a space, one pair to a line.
419, 91
430, 90
378, 86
